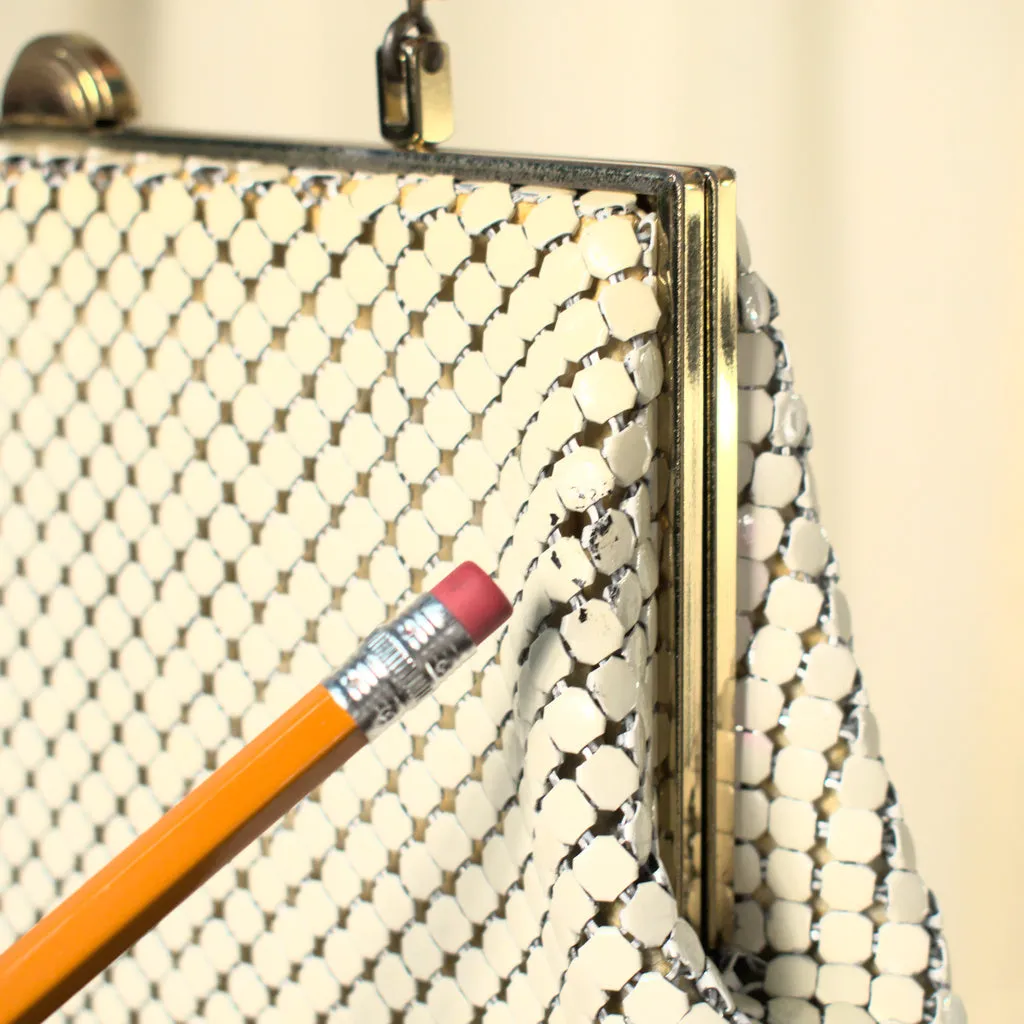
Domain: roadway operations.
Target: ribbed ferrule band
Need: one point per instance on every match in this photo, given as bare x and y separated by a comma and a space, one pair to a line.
399, 664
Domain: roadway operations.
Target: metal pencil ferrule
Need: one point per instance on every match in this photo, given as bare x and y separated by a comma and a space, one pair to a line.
399, 664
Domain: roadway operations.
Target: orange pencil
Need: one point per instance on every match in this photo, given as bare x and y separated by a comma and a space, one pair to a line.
397, 666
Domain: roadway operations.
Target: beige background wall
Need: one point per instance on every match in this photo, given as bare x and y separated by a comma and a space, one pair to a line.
879, 145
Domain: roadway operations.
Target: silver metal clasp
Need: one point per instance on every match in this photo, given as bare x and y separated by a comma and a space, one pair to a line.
414, 84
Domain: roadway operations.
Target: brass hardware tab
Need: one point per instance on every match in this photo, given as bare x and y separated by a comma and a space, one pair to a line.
414, 84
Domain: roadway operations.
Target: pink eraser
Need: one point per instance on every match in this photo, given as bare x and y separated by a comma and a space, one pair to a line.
474, 599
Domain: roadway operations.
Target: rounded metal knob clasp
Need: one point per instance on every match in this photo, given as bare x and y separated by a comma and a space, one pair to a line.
67, 81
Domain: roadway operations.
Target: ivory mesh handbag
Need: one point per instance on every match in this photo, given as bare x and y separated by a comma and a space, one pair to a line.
256, 397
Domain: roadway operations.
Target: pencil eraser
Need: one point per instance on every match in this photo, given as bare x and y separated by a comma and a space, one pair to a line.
474, 599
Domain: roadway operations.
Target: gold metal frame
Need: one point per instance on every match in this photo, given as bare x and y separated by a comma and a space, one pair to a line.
702, 233
696, 212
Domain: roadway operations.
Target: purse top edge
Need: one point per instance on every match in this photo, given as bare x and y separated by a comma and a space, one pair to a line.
653, 179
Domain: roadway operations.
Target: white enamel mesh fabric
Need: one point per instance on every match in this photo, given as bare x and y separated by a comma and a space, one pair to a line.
248, 411
833, 923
